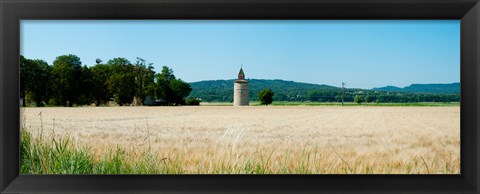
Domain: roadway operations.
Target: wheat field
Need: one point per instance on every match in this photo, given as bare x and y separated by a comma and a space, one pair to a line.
265, 139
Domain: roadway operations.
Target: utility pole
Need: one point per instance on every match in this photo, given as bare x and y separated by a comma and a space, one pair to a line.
343, 91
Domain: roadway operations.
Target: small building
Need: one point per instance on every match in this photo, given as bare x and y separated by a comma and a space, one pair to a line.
240, 90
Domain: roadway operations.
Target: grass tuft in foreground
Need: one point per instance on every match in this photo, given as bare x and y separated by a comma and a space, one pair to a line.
60, 156
41, 155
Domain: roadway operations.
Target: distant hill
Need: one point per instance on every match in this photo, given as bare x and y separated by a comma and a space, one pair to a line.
453, 88
222, 90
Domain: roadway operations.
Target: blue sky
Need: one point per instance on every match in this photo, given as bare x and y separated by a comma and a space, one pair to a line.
363, 54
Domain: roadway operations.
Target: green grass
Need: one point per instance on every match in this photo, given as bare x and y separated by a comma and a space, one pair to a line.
216, 103
60, 156
287, 103
362, 104
40, 155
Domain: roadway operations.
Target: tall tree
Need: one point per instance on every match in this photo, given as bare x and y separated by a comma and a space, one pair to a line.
66, 72
121, 82
180, 90
163, 90
100, 75
26, 77
86, 95
144, 79
171, 89
34, 80
40, 89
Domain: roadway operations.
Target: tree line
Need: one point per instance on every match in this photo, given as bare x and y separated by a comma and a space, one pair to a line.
67, 83
222, 91
374, 96
332, 95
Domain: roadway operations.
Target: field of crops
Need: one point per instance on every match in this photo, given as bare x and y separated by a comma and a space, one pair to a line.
255, 139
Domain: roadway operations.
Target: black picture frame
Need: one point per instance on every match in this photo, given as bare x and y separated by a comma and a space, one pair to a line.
12, 11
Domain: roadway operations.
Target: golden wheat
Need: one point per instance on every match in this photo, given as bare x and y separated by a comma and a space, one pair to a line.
285, 139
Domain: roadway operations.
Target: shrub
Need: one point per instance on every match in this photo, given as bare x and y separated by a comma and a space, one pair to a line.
358, 99
265, 96
193, 101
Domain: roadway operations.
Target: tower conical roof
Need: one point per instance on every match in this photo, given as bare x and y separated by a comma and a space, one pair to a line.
241, 75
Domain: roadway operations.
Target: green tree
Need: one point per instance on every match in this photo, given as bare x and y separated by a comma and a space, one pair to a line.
171, 89
26, 77
163, 90
100, 75
180, 90
66, 74
265, 96
313, 95
86, 88
34, 80
144, 79
192, 101
368, 98
358, 99
121, 82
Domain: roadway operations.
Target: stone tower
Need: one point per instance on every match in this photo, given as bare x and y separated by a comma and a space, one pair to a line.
240, 90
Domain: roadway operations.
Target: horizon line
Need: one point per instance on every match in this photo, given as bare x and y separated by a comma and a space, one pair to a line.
331, 85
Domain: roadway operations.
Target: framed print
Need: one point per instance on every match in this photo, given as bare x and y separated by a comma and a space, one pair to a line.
239, 96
